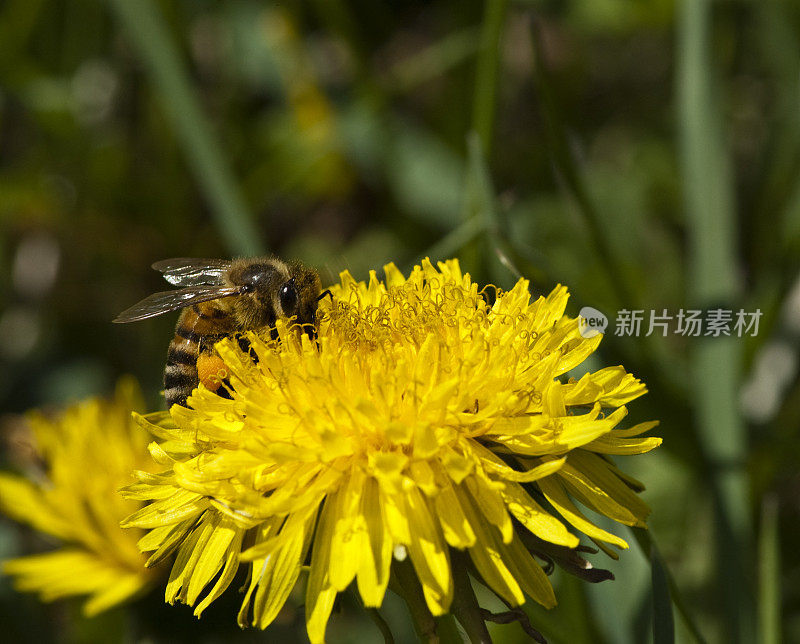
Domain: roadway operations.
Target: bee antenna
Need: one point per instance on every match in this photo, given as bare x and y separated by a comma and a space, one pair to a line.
327, 291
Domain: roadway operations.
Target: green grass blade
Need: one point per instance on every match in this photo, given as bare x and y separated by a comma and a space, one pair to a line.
769, 577
480, 206
432, 61
664, 584
500, 256
480, 200
17, 20
778, 186
708, 198
380, 622
487, 71
648, 358
663, 624
151, 39
447, 631
557, 139
487, 67
449, 245
498, 250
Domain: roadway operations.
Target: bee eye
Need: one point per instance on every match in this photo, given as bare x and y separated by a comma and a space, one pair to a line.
288, 297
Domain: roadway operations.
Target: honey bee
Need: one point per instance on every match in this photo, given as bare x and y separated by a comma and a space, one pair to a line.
222, 298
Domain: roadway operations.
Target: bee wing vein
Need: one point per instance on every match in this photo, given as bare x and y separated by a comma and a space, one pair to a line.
167, 301
189, 271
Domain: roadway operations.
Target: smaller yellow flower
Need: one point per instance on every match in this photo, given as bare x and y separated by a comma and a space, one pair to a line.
89, 452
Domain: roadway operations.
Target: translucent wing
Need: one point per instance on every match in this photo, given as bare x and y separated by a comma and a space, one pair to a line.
167, 301
189, 271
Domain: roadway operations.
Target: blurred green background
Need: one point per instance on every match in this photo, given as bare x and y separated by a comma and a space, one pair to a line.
645, 153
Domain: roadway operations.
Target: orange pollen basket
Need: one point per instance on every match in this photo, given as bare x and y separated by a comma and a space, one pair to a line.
211, 370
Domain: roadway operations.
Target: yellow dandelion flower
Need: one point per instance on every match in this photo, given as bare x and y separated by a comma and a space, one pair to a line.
420, 421
88, 454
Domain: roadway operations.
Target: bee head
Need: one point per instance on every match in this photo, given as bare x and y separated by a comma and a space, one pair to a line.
272, 289
299, 295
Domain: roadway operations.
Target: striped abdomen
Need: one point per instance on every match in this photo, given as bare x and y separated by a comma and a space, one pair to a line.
198, 328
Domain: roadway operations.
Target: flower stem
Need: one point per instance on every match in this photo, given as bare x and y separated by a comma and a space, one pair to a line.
408, 587
465, 606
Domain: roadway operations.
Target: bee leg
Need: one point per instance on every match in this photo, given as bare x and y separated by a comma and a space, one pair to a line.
244, 346
211, 371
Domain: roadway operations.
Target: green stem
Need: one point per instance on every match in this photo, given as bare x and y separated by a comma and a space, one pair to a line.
149, 36
655, 365
563, 156
460, 236
645, 540
432, 61
663, 620
408, 587
713, 270
17, 21
465, 606
483, 115
447, 630
769, 577
486, 72
386, 632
